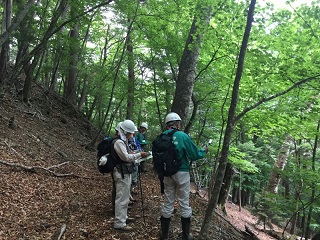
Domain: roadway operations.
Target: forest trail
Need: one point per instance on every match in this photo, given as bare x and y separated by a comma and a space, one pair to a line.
50, 187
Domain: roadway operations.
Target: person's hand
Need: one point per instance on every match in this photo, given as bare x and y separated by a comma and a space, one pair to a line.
144, 154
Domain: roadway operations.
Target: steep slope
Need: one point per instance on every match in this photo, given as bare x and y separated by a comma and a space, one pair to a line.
50, 188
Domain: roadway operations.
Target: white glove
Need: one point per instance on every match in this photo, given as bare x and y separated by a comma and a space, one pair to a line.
103, 160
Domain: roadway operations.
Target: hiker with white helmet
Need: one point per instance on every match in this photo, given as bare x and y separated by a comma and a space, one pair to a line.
142, 138
122, 174
113, 195
178, 184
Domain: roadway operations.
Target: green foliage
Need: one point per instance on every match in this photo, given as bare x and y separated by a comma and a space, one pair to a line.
271, 208
242, 158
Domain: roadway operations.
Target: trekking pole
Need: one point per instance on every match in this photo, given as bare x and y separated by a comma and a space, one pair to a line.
140, 185
149, 155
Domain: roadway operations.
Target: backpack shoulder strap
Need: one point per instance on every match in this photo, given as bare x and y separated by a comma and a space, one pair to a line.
113, 151
171, 135
172, 132
115, 156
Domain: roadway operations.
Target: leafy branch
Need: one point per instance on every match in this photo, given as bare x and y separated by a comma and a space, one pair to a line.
263, 100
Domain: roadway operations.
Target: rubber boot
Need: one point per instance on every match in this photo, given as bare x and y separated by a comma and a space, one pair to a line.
165, 224
185, 223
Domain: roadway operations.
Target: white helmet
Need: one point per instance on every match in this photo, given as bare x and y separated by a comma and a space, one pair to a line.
128, 126
172, 117
144, 125
118, 126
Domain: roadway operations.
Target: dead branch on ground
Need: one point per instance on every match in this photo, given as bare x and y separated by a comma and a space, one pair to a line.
59, 233
35, 169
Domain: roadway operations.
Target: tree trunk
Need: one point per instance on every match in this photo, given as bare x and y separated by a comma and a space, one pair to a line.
279, 165
156, 95
54, 74
70, 87
20, 17
229, 130
294, 220
188, 63
28, 70
131, 80
90, 108
225, 188
84, 91
23, 36
140, 117
5, 48
58, 49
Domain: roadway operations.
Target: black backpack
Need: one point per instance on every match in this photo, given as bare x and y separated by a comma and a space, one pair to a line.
165, 160
107, 153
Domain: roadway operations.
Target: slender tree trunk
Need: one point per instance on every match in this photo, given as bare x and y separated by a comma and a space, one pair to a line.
58, 50
70, 86
140, 117
70, 89
84, 91
131, 79
24, 34
54, 74
5, 48
156, 95
227, 181
104, 52
28, 70
286, 186
294, 220
229, 130
40, 65
91, 108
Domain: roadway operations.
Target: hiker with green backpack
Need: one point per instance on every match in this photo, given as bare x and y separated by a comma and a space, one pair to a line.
176, 182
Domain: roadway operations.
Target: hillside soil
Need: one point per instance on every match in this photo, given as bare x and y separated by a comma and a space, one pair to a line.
50, 187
